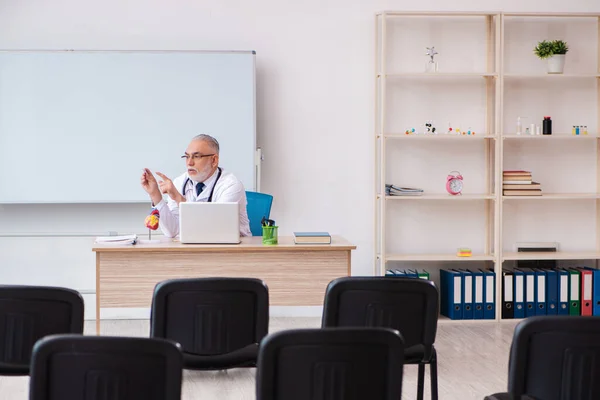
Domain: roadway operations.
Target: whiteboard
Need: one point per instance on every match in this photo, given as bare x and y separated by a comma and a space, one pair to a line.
79, 126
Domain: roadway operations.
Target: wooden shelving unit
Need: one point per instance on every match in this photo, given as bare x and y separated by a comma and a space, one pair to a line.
496, 141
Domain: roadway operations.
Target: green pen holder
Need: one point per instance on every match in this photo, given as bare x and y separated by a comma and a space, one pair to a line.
269, 235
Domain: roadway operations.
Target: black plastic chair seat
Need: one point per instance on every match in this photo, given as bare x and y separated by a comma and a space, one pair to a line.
244, 357
7, 369
417, 354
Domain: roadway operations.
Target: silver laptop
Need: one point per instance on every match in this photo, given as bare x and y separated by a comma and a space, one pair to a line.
206, 223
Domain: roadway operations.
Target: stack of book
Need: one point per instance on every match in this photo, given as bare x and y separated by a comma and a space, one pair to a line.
391, 190
312, 238
117, 240
519, 183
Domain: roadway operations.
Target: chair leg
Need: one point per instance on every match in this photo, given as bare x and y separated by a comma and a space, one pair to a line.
433, 377
421, 381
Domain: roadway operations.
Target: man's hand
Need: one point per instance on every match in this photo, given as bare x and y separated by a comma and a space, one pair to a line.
166, 186
151, 187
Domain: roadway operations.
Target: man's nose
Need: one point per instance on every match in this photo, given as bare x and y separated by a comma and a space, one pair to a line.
190, 162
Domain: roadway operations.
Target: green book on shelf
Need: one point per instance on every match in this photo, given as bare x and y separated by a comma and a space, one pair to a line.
574, 292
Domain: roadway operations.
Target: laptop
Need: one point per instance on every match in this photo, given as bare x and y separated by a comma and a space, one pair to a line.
209, 223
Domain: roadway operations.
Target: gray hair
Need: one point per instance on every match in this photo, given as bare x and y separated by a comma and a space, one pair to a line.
212, 142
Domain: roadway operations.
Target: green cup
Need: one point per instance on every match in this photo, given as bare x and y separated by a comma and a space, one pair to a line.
269, 235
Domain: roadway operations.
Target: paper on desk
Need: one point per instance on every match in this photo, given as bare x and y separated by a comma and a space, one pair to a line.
123, 239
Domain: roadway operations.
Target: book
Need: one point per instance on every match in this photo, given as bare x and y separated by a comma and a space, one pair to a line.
391, 190
312, 238
117, 240
516, 172
535, 192
517, 182
524, 186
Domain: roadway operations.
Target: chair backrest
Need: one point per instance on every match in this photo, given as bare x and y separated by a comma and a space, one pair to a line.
210, 316
76, 367
331, 364
409, 305
258, 206
28, 313
556, 357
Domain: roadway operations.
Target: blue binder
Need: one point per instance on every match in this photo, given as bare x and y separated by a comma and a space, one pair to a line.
451, 294
596, 291
519, 288
467, 298
489, 294
563, 291
478, 288
529, 286
540, 291
551, 292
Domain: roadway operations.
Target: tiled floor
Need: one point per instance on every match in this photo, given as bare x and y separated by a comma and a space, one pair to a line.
472, 363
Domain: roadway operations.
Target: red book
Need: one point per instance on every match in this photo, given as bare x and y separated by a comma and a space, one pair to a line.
586, 292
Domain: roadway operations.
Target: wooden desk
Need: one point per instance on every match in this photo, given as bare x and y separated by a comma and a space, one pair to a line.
296, 275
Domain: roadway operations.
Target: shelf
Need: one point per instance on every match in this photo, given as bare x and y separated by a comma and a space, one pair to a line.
438, 257
443, 196
439, 136
556, 196
552, 14
554, 136
439, 74
553, 76
559, 255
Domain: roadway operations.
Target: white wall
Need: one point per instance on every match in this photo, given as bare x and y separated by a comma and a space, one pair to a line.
315, 65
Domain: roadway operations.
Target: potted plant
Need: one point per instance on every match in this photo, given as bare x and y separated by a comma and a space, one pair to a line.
554, 51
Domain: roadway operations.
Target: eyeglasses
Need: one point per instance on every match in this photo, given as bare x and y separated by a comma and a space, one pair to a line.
196, 156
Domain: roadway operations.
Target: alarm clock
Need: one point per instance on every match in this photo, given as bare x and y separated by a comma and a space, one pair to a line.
454, 183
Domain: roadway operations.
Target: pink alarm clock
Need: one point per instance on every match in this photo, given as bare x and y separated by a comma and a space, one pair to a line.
454, 183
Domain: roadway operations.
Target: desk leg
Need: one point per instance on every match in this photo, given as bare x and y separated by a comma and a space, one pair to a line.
97, 294
349, 263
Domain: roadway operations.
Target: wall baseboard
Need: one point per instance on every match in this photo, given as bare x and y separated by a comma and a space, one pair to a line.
144, 313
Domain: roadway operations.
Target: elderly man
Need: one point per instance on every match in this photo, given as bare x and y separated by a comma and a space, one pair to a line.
204, 180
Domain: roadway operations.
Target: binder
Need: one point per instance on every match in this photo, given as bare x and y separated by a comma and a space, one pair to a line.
477, 294
529, 292
596, 291
586, 291
451, 294
416, 274
467, 298
389, 272
519, 287
489, 293
551, 292
574, 286
563, 292
507, 295
540, 292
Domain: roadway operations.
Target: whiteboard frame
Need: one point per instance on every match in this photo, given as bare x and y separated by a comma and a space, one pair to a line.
258, 157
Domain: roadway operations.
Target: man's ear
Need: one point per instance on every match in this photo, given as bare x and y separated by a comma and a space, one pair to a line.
216, 161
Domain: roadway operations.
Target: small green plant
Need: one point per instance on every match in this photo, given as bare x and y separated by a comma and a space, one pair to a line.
548, 48
559, 47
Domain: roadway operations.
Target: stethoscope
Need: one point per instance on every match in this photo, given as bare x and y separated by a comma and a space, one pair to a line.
211, 191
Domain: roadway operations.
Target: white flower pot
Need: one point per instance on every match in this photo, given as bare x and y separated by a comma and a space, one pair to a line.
556, 64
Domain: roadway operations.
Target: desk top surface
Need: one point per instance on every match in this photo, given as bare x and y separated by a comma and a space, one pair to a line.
248, 244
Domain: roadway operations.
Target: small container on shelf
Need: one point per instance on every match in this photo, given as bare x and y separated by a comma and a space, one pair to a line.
547, 126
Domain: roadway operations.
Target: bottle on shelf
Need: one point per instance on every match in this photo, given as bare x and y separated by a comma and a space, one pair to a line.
547, 126
574, 130
577, 130
585, 131
519, 126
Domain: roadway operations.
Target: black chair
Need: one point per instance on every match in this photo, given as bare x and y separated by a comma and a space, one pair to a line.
28, 313
554, 358
76, 367
331, 364
409, 305
219, 322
